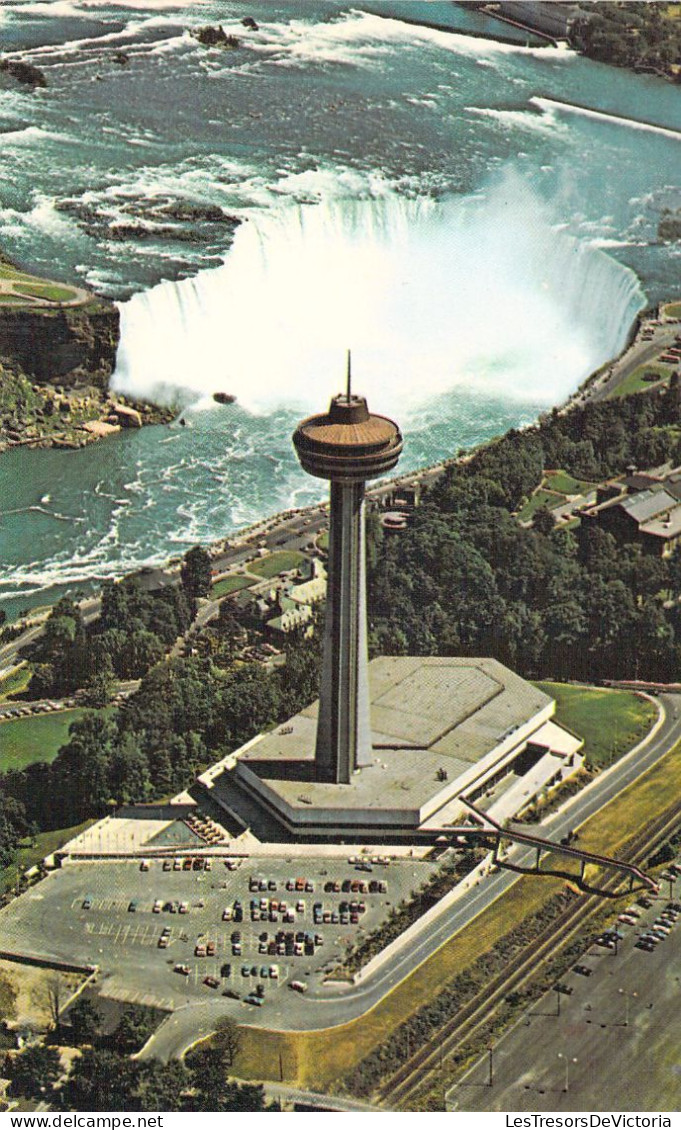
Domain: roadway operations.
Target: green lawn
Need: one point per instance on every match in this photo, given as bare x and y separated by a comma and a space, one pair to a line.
34, 738
611, 722
566, 484
11, 300
635, 381
42, 845
539, 498
279, 562
9, 271
673, 310
45, 290
323, 540
231, 584
15, 682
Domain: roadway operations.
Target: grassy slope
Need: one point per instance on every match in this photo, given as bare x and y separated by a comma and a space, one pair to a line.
44, 844
540, 498
231, 584
610, 721
567, 484
35, 738
278, 562
15, 682
635, 382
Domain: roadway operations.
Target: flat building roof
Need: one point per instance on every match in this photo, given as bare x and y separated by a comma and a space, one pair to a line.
438, 724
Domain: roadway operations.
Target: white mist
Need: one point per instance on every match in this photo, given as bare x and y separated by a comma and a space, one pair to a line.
487, 293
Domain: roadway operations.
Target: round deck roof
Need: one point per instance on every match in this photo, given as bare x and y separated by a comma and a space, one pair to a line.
348, 443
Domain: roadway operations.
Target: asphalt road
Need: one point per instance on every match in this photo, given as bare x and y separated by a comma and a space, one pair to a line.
639, 353
614, 1044
327, 1007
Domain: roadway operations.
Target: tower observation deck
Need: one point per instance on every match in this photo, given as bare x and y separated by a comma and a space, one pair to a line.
347, 445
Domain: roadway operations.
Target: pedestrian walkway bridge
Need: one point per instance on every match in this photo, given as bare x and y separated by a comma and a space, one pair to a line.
489, 825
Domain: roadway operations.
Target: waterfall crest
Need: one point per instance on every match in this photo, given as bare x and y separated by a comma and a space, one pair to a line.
484, 292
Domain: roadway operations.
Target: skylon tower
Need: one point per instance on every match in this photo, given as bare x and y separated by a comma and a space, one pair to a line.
347, 445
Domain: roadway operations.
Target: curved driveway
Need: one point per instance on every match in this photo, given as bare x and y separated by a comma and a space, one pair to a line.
339, 1004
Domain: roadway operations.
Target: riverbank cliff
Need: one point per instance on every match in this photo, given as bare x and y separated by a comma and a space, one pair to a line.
57, 353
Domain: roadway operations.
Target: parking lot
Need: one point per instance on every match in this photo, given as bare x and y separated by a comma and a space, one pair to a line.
607, 1035
179, 931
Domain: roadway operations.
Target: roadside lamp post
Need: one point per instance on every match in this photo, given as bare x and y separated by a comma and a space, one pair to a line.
627, 997
557, 1002
567, 1068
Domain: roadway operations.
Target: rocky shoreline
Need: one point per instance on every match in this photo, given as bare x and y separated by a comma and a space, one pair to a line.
58, 348
52, 416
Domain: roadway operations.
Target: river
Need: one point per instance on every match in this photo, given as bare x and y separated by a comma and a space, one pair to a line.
476, 220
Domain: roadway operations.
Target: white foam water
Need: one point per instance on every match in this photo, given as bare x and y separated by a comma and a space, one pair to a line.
551, 104
484, 291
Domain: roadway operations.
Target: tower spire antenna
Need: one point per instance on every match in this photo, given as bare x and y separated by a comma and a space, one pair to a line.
349, 376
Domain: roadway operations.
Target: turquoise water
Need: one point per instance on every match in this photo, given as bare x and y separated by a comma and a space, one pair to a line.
448, 207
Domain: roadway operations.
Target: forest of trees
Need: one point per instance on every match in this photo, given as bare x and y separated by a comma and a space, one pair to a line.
132, 633
632, 34
186, 713
467, 579
104, 1078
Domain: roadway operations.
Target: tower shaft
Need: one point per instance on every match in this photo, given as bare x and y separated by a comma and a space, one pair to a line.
343, 726
347, 446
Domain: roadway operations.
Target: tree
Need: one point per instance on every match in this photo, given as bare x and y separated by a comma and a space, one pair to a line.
207, 1071
160, 1086
129, 771
227, 1039
13, 827
299, 678
60, 650
101, 1081
196, 572
81, 770
142, 650
85, 1021
134, 1029
542, 520
214, 1091
47, 996
34, 1071
100, 686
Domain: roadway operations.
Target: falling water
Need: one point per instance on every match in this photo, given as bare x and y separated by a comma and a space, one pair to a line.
483, 291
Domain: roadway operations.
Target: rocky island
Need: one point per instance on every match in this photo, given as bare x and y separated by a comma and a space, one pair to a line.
57, 352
